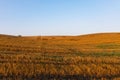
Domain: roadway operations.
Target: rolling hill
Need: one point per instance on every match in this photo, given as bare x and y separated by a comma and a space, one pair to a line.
91, 42
84, 57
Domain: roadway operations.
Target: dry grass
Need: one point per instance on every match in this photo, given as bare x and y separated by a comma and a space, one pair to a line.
87, 57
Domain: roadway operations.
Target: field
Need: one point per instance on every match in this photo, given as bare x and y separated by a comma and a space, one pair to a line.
85, 57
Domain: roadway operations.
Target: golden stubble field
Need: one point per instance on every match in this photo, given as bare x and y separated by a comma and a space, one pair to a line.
86, 57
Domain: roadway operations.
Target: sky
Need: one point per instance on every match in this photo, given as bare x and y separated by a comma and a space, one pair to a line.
59, 17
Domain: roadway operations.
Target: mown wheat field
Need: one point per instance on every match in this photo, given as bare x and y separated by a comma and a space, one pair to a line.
86, 57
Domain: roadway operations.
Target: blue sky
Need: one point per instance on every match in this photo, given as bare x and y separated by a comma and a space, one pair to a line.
59, 17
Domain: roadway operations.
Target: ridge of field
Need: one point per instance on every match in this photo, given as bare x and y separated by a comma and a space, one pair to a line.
84, 57
92, 42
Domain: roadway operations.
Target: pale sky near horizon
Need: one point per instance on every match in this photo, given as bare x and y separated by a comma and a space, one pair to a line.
59, 17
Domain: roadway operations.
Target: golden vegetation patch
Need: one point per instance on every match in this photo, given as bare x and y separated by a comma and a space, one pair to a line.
87, 57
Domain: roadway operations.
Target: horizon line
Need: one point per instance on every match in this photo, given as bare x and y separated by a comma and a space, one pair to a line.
62, 34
